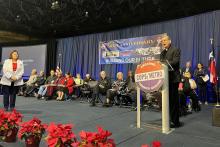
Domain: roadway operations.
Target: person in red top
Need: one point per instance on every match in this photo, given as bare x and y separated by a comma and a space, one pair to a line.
66, 88
11, 80
56, 86
14, 66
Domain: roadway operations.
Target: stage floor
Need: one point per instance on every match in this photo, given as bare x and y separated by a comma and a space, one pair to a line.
197, 129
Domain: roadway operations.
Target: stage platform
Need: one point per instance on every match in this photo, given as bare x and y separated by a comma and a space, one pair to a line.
196, 132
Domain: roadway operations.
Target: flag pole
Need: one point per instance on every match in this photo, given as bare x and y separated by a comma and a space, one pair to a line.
216, 86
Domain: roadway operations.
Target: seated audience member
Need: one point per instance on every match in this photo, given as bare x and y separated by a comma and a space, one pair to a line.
52, 88
201, 77
187, 68
102, 86
131, 88
43, 89
66, 88
188, 88
79, 82
40, 81
31, 81
118, 88
88, 79
86, 88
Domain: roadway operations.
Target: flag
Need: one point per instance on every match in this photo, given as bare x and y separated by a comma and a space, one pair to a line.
212, 66
58, 69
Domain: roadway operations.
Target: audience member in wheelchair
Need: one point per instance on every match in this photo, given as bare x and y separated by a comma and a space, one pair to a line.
31, 90
102, 86
66, 88
188, 88
31, 81
78, 83
43, 89
118, 88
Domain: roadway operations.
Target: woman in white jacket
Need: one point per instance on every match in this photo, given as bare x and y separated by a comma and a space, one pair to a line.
13, 70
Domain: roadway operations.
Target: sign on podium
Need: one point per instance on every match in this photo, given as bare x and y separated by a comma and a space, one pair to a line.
150, 76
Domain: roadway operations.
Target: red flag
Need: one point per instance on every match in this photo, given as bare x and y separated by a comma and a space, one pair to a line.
212, 67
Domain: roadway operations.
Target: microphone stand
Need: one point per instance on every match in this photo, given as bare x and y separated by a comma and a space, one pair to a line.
171, 67
217, 94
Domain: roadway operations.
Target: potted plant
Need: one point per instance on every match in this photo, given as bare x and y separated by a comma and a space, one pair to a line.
32, 131
95, 139
9, 124
60, 135
154, 144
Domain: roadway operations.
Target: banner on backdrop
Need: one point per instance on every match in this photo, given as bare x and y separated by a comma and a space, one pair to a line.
131, 50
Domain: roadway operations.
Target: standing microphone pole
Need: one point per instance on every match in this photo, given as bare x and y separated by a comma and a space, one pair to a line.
60, 61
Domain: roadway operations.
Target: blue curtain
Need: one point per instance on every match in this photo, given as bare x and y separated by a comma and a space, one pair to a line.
191, 34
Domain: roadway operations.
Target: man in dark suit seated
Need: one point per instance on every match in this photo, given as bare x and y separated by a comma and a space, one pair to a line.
102, 86
171, 56
86, 88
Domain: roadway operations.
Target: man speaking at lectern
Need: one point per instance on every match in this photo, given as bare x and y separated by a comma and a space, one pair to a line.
171, 56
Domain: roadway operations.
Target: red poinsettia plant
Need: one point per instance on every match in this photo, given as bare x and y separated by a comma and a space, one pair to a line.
154, 144
60, 135
9, 122
95, 139
9, 119
32, 129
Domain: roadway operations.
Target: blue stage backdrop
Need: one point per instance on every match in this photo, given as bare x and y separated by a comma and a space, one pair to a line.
192, 35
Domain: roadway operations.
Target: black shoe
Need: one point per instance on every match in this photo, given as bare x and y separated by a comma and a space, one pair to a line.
177, 125
198, 109
38, 96
92, 105
105, 105
11, 109
6, 109
117, 104
133, 108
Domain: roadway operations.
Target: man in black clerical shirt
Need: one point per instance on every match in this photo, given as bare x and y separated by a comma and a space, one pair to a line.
171, 56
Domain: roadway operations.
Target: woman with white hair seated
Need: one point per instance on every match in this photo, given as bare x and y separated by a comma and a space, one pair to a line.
31, 81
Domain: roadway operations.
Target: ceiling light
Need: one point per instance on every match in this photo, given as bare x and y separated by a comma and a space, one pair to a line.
86, 14
109, 20
55, 5
18, 18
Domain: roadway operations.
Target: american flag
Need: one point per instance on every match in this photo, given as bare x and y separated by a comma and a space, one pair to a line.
58, 68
